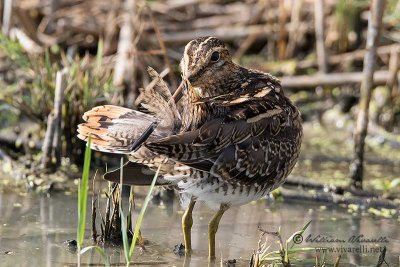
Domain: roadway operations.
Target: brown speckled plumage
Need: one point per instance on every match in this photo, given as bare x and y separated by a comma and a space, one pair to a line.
230, 137
233, 128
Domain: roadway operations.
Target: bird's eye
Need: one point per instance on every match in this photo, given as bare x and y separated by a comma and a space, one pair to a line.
215, 56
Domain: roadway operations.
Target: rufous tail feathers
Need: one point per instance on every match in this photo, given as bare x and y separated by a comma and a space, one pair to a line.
116, 129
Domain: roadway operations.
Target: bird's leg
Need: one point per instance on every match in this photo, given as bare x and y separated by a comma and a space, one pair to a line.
212, 230
187, 222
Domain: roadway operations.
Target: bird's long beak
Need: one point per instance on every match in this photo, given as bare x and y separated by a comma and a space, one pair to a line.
178, 92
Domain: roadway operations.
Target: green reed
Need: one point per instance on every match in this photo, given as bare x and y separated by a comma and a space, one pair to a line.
128, 250
83, 188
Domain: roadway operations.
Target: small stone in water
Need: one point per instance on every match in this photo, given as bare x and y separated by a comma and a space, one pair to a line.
71, 245
179, 250
230, 263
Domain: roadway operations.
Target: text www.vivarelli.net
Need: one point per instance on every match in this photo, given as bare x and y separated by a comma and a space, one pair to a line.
351, 249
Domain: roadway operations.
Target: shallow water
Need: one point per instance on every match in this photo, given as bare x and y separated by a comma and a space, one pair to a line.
33, 229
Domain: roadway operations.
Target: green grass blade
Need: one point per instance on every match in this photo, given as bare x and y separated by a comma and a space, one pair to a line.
140, 218
82, 195
125, 240
98, 250
300, 232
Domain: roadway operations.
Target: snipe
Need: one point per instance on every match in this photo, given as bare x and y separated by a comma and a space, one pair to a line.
227, 137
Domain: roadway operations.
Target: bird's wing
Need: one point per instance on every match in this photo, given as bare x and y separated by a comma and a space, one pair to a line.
254, 142
156, 99
119, 130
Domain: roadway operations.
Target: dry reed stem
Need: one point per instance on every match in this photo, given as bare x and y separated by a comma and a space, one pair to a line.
360, 132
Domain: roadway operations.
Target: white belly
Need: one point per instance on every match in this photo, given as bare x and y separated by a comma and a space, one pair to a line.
214, 194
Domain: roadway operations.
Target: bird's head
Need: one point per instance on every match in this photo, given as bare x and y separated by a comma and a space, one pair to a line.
205, 63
